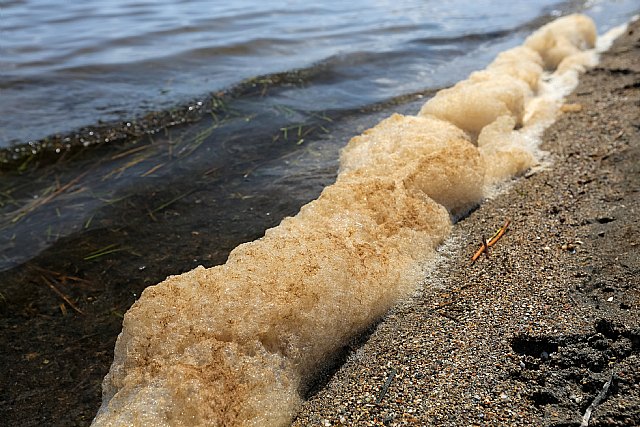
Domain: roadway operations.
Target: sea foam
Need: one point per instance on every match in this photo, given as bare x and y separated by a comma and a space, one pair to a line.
237, 344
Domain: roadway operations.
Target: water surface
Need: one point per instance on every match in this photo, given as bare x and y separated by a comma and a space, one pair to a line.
321, 73
64, 65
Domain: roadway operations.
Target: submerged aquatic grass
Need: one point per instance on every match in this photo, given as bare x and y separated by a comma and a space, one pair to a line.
172, 201
109, 249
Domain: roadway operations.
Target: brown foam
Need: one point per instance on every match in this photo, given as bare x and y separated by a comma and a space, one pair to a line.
426, 153
236, 344
478, 101
505, 151
520, 62
563, 37
249, 331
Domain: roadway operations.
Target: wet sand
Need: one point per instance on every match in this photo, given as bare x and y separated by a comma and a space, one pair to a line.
545, 329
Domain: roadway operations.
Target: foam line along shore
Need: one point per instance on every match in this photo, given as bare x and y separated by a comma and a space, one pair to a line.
545, 329
238, 344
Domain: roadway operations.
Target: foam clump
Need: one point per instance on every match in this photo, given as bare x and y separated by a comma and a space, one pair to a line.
195, 379
478, 101
231, 345
505, 151
579, 62
563, 37
427, 154
520, 62
238, 344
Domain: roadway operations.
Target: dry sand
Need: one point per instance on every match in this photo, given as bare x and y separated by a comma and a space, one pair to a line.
546, 329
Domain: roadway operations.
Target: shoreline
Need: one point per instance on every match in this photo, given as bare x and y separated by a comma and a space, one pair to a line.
58, 146
298, 295
120, 135
559, 291
55, 361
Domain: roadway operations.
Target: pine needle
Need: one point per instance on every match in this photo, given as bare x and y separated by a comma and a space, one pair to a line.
484, 248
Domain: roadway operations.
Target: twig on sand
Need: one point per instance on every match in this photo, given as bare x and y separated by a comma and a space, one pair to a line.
492, 241
61, 295
599, 397
386, 385
485, 245
478, 253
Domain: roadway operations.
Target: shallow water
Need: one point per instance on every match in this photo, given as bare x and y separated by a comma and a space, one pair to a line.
274, 140
64, 65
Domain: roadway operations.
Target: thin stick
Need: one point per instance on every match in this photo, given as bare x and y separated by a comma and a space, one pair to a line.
596, 402
152, 170
109, 249
478, 253
119, 171
60, 276
494, 239
386, 385
499, 233
485, 245
128, 152
47, 199
61, 295
172, 201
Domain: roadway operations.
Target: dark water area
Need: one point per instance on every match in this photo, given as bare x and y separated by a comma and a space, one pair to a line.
143, 139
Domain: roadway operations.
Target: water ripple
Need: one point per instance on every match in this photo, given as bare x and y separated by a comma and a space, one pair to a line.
64, 65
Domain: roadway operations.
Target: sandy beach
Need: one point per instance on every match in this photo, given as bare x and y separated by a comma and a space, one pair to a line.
545, 328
